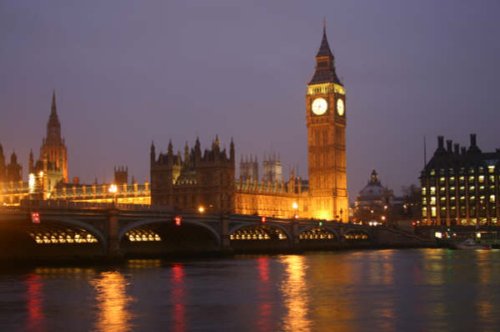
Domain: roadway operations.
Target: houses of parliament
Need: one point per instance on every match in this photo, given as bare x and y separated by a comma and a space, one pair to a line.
205, 179
196, 179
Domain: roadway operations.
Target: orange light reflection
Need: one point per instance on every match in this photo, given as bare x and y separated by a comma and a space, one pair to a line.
294, 289
112, 301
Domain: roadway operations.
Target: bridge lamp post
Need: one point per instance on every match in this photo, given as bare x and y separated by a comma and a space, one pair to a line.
295, 207
113, 189
201, 209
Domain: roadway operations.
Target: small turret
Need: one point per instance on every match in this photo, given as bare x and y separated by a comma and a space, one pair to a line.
153, 153
231, 150
170, 149
31, 162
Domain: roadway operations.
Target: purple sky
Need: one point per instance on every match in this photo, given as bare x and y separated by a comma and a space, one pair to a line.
129, 72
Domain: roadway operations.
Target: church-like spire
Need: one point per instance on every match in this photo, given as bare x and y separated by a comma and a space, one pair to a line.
53, 126
54, 119
324, 48
325, 63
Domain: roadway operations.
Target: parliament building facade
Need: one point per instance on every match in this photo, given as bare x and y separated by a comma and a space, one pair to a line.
205, 180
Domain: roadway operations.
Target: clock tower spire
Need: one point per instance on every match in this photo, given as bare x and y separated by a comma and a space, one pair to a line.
326, 123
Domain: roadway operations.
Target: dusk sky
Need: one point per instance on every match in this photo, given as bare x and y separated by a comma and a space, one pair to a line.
127, 73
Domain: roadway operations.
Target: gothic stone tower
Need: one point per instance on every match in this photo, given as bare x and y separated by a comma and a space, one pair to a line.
53, 148
197, 179
326, 123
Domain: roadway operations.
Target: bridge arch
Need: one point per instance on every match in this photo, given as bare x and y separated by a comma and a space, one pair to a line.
75, 223
315, 232
233, 230
151, 222
356, 235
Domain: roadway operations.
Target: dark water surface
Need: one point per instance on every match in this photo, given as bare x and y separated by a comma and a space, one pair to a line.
384, 290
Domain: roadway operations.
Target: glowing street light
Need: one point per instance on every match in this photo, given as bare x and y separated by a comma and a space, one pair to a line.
295, 207
201, 209
113, 189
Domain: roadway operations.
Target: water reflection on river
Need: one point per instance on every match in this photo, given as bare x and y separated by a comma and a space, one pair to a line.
385, 290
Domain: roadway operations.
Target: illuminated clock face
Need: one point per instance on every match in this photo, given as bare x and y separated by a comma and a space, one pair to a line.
319, 106
340, 107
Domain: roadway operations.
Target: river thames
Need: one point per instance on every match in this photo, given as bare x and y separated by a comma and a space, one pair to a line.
372, 290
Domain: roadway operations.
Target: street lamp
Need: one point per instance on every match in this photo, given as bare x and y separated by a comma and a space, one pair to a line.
113, 189
201, 209
295, 207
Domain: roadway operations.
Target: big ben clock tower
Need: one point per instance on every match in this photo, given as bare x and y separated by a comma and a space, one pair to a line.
326, 123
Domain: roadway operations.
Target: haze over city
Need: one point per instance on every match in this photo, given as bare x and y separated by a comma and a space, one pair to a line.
129, 73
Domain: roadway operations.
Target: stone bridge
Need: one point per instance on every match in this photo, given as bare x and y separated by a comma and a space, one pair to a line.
49, 228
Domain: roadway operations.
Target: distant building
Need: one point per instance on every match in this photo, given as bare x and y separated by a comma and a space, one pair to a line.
249, 169
374, 202
461, 185
121, 175
51, 169
14, 169
273, 171
3, 170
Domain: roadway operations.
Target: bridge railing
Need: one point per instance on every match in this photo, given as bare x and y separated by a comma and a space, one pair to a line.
70, 205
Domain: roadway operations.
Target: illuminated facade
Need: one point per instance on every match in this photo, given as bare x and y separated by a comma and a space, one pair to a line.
12, 188
190, 181
52, 167
461, 185
194, 180
3, 170
326, 124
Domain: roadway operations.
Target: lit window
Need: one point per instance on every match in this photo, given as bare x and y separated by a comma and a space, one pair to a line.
424, 191
424, 211
441, 179
462, 179
452, 188
452, 198
433, 200
462, 198
471, 179
491, 169
481, 178
433, 172
462, 188
472, 188
433, 211
492, 178
443, 199
492, 198
433, 190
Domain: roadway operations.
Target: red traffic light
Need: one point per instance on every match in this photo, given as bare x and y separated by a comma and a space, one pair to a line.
178, 220
263, 219
35, 217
